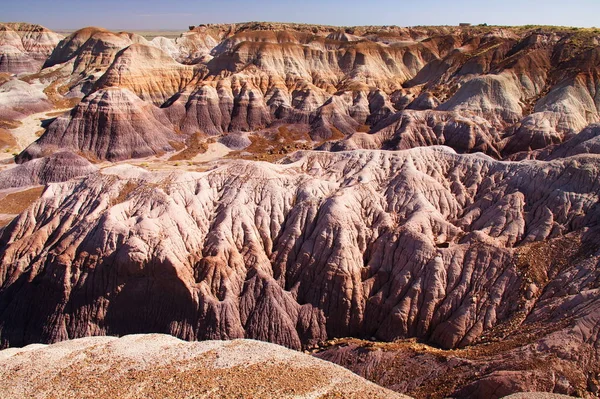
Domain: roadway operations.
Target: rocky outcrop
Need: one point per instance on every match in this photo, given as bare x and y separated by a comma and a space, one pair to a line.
191, 47
83, 57
91, 48
410, 129
490, 371
152, 366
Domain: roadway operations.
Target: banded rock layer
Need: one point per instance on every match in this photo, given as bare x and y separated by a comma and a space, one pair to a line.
25, 47
58, 167
123, 127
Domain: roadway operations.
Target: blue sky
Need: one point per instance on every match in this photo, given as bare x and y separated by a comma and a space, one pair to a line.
178, 14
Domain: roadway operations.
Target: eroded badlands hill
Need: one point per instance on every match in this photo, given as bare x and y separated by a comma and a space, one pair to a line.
25, 47
502, 91
446, 190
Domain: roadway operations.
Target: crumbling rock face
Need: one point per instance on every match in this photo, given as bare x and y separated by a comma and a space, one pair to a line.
492, 371
83, 57
389, 245
411, 129
91, 48
190, 48
551, 348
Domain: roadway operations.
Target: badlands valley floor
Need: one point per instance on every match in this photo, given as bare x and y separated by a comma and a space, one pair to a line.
417, 205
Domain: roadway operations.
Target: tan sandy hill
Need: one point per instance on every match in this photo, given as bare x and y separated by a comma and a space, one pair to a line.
160, 366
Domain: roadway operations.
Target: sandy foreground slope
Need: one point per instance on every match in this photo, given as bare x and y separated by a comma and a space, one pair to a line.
161, 366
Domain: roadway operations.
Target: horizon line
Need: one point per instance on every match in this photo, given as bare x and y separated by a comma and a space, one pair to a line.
184, 28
